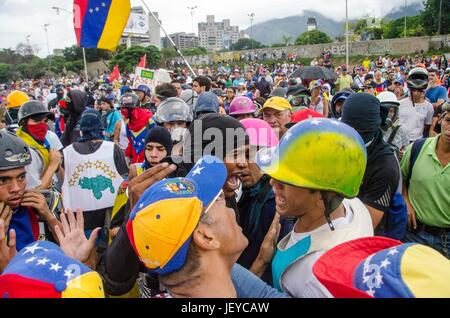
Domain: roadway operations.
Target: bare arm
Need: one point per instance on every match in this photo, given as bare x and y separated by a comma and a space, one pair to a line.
117, 132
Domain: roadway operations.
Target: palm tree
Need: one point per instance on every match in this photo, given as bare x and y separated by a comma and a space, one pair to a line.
287, 40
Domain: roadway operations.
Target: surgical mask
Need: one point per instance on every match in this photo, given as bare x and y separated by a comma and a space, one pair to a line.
177, 133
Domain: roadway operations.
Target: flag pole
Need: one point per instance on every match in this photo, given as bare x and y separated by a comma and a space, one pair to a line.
170, 39
85, 65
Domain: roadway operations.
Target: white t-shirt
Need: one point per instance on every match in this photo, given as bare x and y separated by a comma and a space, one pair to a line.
53, 140
300, 280
34, 170
414, 118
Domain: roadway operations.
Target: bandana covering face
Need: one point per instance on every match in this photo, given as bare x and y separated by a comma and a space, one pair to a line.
38, 131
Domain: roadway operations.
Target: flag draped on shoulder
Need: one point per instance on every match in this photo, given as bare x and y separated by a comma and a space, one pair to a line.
100, 23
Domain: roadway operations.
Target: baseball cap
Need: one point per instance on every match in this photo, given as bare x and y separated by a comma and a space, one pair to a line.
315, 84
380, 267
399, 81
277, 103
42, 270
161, 225
370, 84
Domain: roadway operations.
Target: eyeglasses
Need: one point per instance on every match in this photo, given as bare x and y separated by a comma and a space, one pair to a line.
220, 195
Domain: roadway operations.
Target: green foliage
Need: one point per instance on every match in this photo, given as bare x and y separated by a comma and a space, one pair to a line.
278, 45
246, 44
396, 28
287, 40
129, 59
430, 17
312, 37
195, 51
74, 53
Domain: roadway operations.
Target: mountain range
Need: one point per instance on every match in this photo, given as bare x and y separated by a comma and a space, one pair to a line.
272, 31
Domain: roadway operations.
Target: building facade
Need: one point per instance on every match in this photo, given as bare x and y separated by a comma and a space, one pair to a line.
216, 36
184, 40
142, 29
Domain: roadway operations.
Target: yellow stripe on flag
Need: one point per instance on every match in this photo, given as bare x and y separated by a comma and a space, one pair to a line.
118, 15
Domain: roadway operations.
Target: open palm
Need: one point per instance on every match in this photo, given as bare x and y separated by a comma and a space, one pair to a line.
72, 239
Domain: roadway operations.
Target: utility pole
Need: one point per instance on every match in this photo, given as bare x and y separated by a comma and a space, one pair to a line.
192, 10
440, 18
346, 35
252, 17
405, 19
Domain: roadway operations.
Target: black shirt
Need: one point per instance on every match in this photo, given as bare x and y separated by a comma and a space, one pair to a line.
380, 182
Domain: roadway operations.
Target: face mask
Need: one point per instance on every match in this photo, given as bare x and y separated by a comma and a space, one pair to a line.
177, 133
125, 113
38, 131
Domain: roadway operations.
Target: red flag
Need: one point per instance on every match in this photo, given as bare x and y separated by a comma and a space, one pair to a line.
115, 74
143, 61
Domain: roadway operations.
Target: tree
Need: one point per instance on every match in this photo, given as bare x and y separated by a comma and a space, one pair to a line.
195, 51
287, 40
312, 37
430, 17
128, 59
396, 28
74, 53
277, 45
246, 44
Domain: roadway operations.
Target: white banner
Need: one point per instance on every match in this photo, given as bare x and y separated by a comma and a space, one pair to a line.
151, 78
137, 24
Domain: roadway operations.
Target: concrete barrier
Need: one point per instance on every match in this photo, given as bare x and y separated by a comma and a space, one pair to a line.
364, 48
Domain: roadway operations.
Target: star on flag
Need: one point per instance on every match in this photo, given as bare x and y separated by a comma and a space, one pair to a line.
197, 171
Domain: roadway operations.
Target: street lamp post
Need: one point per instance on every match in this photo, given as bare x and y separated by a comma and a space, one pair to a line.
46, 33
252, 17
192, 10
440, 18
58, 9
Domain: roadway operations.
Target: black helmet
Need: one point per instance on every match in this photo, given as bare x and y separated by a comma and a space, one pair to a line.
14, 153
33, 108
129, 100
418, 78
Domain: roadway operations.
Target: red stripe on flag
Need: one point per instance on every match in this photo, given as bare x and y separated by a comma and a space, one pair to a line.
79, 12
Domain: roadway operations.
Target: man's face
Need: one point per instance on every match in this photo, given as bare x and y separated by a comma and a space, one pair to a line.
178, 87
230, 93
369, 90
228, 232
196, 87
432, 78
234, 162
445, 128
12, 186
104, 106
174, 124
360, 73
378, 76
277, 119
248, 171
418, 94
237, 75
141, 95
155, 152
292, 201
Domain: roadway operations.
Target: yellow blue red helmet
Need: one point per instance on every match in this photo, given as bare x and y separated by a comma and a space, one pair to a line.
318, 154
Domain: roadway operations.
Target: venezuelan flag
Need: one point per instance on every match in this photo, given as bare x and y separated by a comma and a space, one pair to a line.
100, 23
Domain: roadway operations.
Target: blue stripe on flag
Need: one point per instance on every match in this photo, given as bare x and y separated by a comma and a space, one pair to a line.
94, 22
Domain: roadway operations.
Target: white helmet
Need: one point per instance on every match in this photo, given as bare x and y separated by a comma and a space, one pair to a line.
388, 98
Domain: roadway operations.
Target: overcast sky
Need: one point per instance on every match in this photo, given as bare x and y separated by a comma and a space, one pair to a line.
19, 18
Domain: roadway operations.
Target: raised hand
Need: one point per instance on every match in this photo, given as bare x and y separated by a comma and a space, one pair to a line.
72, 238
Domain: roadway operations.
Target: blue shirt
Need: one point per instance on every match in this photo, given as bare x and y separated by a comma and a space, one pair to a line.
436, 93
236, 82
111, 119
